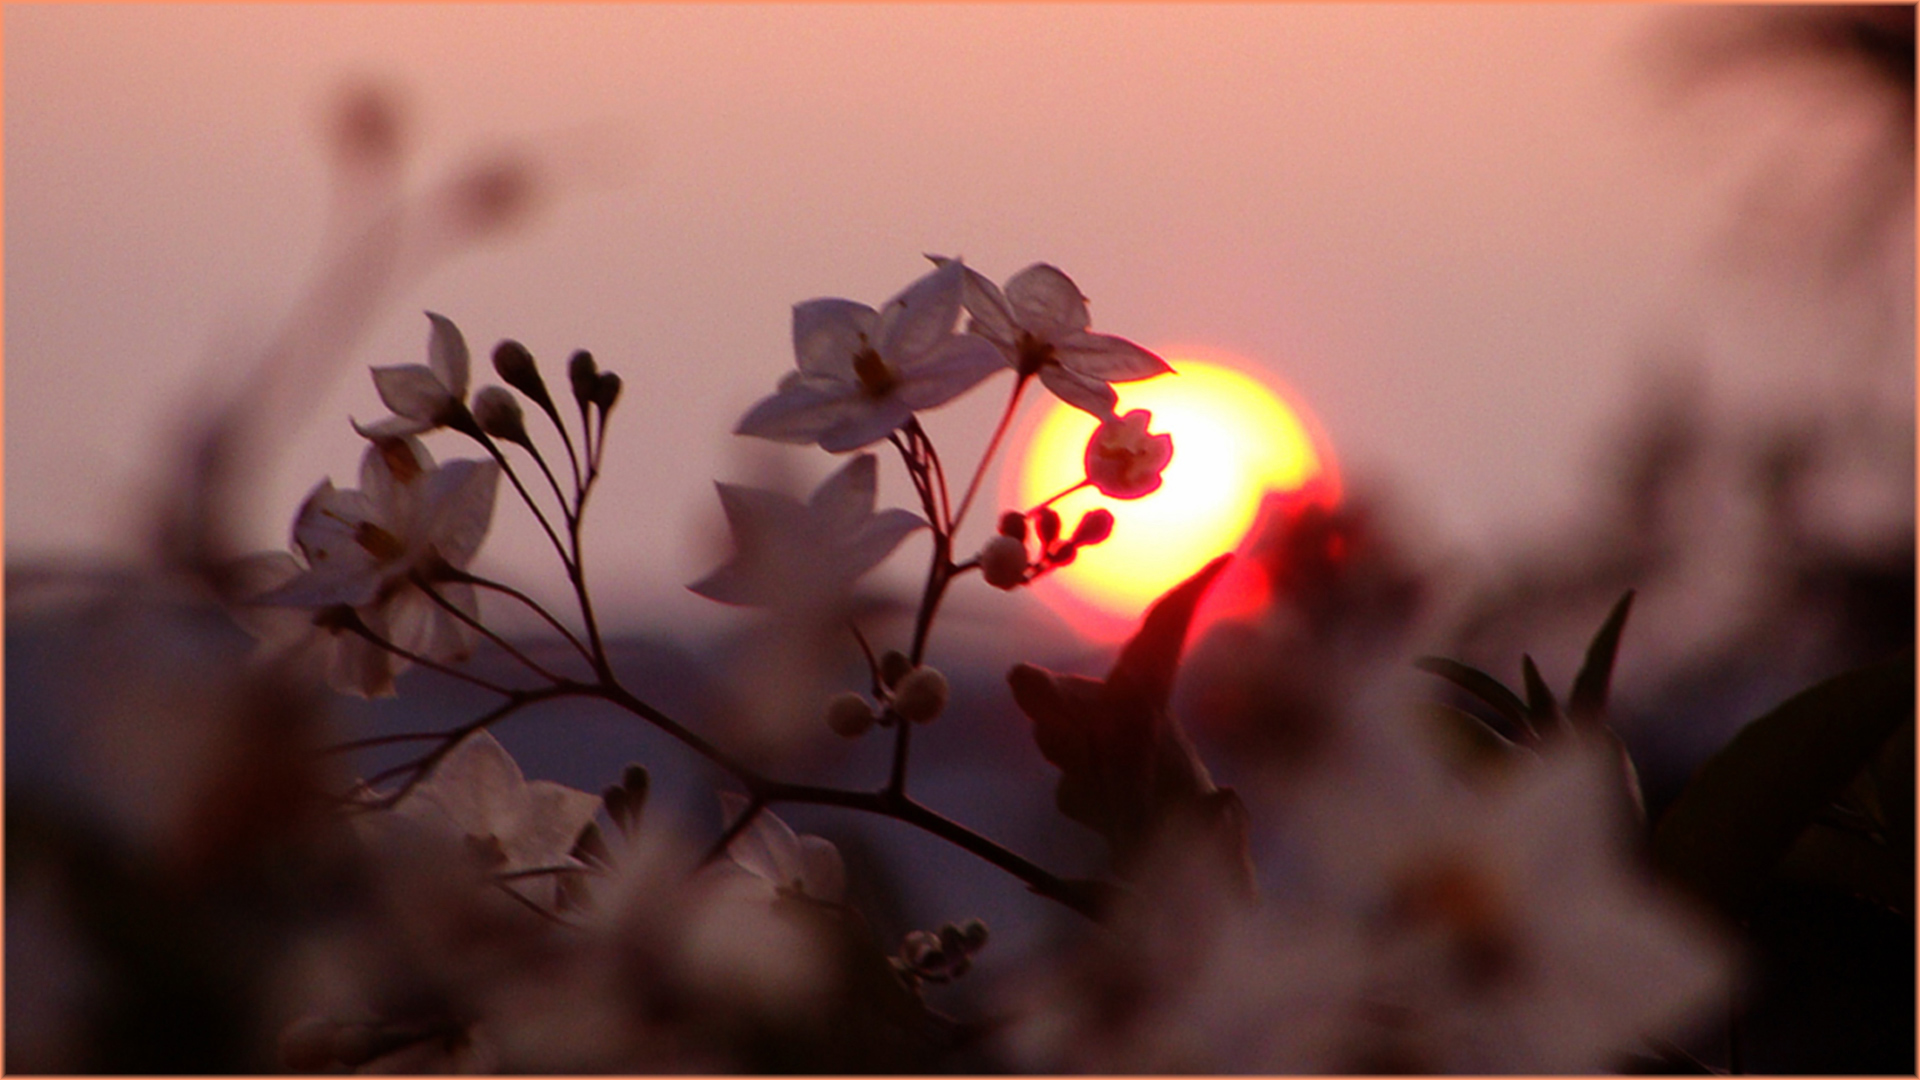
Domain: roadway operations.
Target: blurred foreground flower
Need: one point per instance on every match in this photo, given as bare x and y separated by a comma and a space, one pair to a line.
862, 373
511, 825
1514, 934
789, 554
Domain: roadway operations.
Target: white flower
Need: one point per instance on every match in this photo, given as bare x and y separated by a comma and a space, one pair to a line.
799, 555
478, 793
863, 373
1040, 324
424, 397
771, 851
1523, 939
1123, 460
363, 549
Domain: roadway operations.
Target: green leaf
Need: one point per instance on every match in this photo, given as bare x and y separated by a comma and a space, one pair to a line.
1588, 704
1481, 685
1750, 802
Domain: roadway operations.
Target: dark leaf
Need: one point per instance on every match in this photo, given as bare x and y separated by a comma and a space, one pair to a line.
1481, 685
1149, 660
1127, 770
1749, 803
1467, 738
1588, 705
1542, 710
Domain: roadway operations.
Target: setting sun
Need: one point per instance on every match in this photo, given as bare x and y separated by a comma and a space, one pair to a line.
1235, 441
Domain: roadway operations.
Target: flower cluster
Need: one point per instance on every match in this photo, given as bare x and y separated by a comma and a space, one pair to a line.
1395, 910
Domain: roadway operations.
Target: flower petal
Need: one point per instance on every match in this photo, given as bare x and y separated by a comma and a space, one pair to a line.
925, 312
1047, 302
827, 334
447, 355
845, 499
987, 310
458, 507
876, 540
478, 787
1110, 358
802, 409
412, 391
1083, 393
951, 369
822, 871
554, 817
870, 424
361, 668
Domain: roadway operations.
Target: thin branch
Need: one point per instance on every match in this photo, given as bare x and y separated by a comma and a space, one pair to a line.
451, 608
530, 602
738, 826
360, 628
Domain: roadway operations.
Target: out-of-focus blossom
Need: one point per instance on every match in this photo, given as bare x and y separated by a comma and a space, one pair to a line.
1124, 460
789, 554
424, 396
770, 850
364, 548
1524, 939
478, 793
1040, 325
863, 373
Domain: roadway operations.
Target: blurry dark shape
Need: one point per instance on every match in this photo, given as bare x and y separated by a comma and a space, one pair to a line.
1842, 79
492, 195
1344, 595
380, 239
368, 128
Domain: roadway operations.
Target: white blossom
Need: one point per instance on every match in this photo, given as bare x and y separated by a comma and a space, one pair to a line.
365, 549
424, 397
863, 373
791, 554
1039, 323
770, 850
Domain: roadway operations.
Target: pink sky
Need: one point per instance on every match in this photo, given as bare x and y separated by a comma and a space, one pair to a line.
1460, 233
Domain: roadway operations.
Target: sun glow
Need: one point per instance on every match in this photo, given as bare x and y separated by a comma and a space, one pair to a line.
1236, 440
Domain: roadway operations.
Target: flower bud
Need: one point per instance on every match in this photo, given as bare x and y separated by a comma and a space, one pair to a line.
516, 368
1013, 523
606, 391
1123, 460
1047, 523
585, 376
849, 715
894, 666
1003, 562
973, 934
498, 413
1096, 525
921, 696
